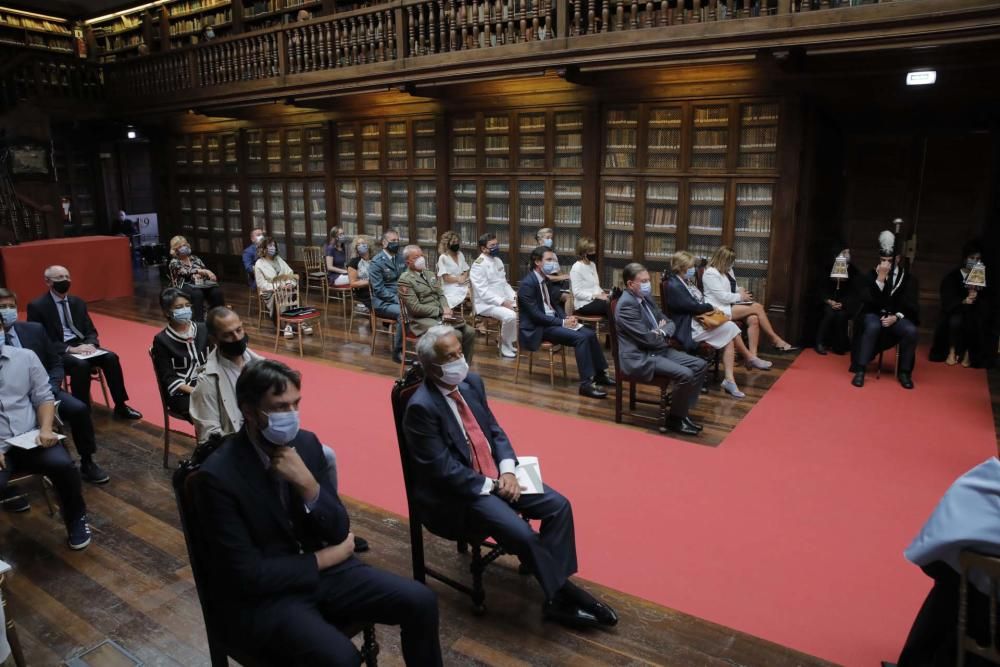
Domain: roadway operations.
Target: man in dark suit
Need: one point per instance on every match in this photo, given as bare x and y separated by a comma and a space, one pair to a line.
465, 481
542, 318
70, 328
31, 336
281, 550
644, 349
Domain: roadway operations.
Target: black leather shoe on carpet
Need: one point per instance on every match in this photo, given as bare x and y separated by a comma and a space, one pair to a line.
859, 379
820, 349
906, 380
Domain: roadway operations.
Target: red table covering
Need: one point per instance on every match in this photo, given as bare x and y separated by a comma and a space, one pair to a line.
99, 266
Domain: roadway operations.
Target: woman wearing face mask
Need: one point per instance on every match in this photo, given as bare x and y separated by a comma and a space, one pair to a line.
179, 351
546, 237
188, 273
683, 302
452, 269
840, 304
588, 297
273, 273
963, 330
357, 271
336, 257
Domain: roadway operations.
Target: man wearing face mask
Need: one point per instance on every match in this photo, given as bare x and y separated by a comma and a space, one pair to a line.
76, 413
250, 254
543, 319
69, 327
426, 306
492, 294
465, 483
644, 349
383, 274
546, 237
281, 543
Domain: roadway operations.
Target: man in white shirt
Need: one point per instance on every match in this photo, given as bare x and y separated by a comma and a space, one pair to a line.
492, 294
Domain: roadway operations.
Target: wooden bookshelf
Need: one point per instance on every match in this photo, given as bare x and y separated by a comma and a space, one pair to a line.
75, 175
710, 136
758, 149
121, 36
26, 30
621, 138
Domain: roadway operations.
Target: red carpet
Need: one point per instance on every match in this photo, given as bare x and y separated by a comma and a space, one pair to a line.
792, 529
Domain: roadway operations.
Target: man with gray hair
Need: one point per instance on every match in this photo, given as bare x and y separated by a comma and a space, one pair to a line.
383, 275
71, 330
464, 481
426, 306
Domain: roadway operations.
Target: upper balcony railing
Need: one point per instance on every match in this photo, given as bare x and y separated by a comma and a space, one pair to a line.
402, 41
30, 74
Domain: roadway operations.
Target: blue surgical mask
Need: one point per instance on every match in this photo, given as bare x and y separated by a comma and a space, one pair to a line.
547, 243
184, 250
271, 251
645, 289
282, 427
182, 314
8, 315
550, 267
362, 248
690, 273
495, 251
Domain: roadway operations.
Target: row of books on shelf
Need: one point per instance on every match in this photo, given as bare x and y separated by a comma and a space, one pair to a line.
711, 115
496, 123
661, 216
619, 215
618, 244
194, 5
195, 24
760, 112
18, 21
706, 219
759, 138
621, 117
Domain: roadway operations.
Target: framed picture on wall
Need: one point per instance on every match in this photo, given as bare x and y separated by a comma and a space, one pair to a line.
30, 159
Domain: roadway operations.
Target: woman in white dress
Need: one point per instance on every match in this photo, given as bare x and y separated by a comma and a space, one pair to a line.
272, 273
588, 297
684, 302
453, 269
722, 292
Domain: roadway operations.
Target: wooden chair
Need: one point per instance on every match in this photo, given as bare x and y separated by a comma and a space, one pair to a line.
288, 297
26, 479
345, 295
186, 489
660, 382
312, 257
547, 348
379, 324
895, 363
409, 338
167, 412
252, 298
488, 325
990, 566
402, 392
96, 373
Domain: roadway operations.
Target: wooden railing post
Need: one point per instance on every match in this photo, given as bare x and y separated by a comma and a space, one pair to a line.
282, 53
402, 29
562, 19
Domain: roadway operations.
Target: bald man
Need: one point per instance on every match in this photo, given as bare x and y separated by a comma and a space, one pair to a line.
69, 327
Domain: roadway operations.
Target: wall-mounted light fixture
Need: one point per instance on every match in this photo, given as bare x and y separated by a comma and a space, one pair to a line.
923, 77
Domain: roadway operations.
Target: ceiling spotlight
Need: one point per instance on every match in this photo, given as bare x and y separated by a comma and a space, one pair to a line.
923, 77
130, 134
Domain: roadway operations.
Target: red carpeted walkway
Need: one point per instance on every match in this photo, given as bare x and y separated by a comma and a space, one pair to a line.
792, 530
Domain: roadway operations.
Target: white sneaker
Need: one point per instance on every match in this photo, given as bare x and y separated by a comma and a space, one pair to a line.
307, 330
507, 352
289, 332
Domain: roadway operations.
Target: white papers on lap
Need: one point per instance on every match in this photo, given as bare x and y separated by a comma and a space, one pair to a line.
95, 353
529, 475
28, 440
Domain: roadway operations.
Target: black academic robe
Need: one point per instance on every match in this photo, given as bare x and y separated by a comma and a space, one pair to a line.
976, 321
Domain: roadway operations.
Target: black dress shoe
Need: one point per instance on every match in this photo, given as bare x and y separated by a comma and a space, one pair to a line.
570, 615
821, 349
697, 427
859, 379
678, 425
605, 615
605, 379
906, 380
125, 412
93, 473
591, 391
360, 545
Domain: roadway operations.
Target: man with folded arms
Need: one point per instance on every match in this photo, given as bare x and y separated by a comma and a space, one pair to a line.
31, 336
69, 326
280, 542
465, 481
26, 404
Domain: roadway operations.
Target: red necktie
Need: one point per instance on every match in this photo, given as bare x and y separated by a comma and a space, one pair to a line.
482, 459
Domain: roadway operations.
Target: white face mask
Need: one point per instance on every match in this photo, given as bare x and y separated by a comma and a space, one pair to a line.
454, 372
419, 264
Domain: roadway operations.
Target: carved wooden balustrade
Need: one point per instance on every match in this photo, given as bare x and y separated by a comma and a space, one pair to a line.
49, 76
439, 26
588, 17
167, 72
247, 58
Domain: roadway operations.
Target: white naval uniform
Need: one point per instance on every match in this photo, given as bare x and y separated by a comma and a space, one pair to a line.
491, 289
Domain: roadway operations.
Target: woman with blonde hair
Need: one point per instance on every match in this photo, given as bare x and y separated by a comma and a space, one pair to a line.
588, 297
722, 292
188, 274
684, 303
452, 269
357, 272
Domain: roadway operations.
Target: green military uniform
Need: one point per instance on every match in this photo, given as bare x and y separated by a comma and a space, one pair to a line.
420, 293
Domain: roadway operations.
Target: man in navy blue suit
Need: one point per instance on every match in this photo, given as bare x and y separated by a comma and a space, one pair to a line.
542, 318
465, 482
281, 552
32, 336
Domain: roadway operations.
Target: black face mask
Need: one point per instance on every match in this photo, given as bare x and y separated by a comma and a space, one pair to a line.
234, 348
592, 256
454, 247
392, 247
61, 286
